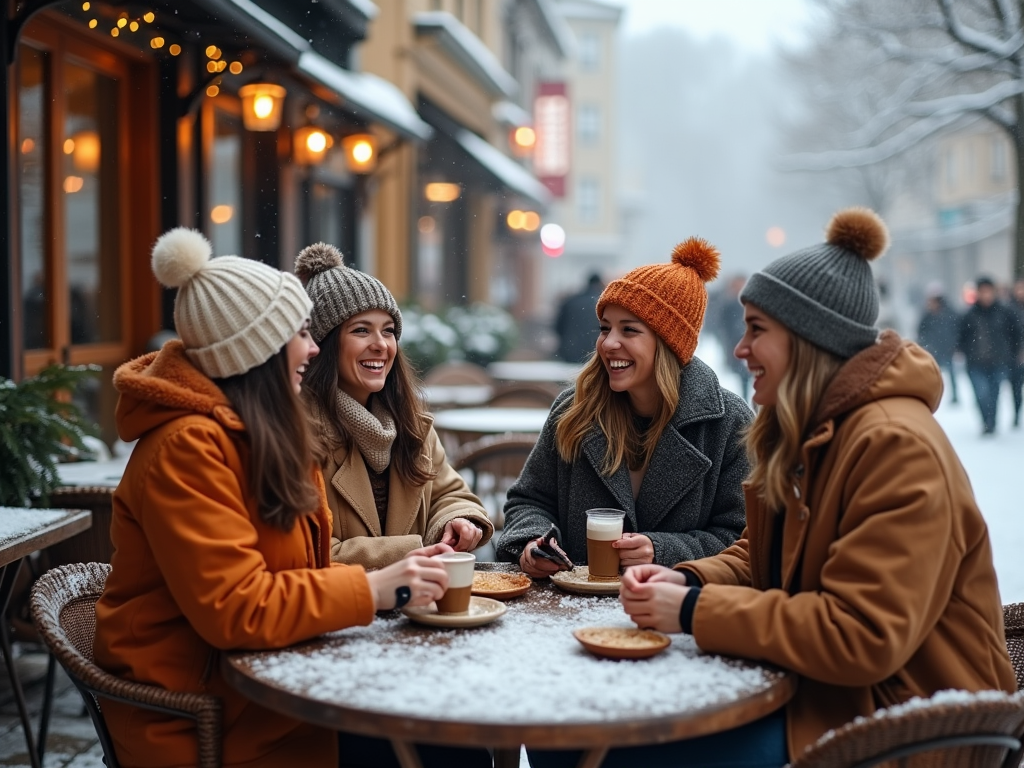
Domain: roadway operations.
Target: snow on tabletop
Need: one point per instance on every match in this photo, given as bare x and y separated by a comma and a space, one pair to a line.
484, 675
16, 522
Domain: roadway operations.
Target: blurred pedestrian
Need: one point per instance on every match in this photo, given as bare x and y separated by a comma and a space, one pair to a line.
575, 325
1017, 373
990, 339
730, 330
937, 332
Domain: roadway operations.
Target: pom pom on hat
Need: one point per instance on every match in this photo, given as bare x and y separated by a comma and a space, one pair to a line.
700, 255
317, 258
178, 255
860, 230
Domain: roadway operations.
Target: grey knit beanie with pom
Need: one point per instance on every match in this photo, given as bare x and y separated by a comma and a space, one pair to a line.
826, 293
232, 314
339, 292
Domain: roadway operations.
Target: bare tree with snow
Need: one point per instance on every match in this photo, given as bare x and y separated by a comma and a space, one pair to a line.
919, 67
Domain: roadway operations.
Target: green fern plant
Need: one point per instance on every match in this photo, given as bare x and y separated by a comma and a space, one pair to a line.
37, 429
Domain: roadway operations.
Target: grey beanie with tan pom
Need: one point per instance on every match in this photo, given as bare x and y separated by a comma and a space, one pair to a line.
826, 293
340, 292
232, 314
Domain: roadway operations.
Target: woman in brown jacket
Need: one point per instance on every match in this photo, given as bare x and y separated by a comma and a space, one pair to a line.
389, 485
866, 567
220, 524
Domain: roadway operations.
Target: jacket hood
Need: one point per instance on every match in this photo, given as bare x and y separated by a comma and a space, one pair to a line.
894, 367
163, 386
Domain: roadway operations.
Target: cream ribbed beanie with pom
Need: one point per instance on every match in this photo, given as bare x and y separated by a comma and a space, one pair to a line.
232, 314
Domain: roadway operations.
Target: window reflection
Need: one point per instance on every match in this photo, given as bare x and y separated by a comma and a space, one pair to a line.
31, 143
225, 185
89, 183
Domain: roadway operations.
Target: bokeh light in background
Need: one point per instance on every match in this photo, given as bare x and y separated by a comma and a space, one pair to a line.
776, 237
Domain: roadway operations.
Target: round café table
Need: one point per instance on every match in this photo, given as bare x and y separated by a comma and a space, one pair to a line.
520, 680
554, 371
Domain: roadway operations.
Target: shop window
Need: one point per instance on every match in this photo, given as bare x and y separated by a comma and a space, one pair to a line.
32, 172
224, 180
588, 199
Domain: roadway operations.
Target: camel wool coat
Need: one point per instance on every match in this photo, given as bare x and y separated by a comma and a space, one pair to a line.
416, 516
195, 571
887, 584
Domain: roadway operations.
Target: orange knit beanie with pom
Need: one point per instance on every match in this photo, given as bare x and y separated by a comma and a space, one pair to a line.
670, 298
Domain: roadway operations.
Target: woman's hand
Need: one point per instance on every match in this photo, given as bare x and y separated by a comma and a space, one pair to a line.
653, 595
634, 549
426, 579
537, 567
461, 534
434, 549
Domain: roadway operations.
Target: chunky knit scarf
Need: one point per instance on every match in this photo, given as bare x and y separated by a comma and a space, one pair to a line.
373, 432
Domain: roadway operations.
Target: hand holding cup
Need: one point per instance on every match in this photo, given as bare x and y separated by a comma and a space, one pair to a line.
425, 578
634, 549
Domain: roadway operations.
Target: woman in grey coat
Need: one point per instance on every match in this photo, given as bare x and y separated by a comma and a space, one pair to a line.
646, 429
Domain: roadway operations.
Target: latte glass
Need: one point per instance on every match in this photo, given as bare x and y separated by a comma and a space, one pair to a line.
604, 526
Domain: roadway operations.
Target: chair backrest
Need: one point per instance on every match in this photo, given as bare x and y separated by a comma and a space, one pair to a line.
951, 729
64, 611
1013, 624
453, 374
490, 465
525, 395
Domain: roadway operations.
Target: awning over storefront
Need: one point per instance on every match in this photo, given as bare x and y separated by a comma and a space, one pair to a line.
369, 96
506, 170
468, 50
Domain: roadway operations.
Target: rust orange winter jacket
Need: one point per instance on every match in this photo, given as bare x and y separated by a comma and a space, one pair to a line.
888, 589
195, 571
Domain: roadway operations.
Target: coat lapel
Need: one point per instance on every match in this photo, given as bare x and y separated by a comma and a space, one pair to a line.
594, 447
352, 482
675, 468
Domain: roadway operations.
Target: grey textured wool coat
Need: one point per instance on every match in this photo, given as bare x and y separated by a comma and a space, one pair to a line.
690, 503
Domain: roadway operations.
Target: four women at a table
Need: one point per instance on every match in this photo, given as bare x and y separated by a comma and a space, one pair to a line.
646, 429
221, 526
866, 566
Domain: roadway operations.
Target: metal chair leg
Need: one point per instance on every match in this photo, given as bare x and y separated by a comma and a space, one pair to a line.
44, 717
8, 576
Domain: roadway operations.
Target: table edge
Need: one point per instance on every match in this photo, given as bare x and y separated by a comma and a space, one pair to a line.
560, 735
78, 520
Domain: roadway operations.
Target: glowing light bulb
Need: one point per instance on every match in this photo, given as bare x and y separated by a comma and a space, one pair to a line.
316, 142
149, 16
362, 152
262, 106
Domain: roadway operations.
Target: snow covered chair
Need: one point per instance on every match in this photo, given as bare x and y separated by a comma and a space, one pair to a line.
1013, 623
64, 611
952, 729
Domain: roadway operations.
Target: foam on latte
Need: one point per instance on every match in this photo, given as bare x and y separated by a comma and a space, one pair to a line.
604, 529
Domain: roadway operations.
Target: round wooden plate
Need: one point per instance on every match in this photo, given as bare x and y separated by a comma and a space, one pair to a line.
579, 582
622, 642
501, 586
482, 610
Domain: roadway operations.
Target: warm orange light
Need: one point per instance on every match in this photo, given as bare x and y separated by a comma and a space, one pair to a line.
69, 146
525, 136
73, 184
212, 91
156, 42
211, 50
531, 221
221, 214
122, 23
86, 6
360, 150
115, 32
27, 145
515, 219
236, 67
93, 23
85, 151
134, 26
174, 50
442, 192
149, 16
211, 66
776, 237
311, 145
262, 105
426, 224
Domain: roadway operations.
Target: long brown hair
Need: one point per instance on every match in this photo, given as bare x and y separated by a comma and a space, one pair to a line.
595, 402
280, 452
400, 397
776, 436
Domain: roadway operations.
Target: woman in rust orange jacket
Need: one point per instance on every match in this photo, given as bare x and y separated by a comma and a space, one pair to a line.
221, 528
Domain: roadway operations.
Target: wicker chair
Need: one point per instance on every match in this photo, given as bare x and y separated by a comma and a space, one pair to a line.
64, 610
1013, 623
490, 465
951, 730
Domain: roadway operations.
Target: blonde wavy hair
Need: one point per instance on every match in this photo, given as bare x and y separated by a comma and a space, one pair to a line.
775, 437
595, 403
